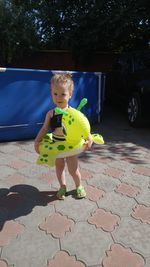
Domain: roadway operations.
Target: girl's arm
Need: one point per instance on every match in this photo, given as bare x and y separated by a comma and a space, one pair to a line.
42, 131
89, 142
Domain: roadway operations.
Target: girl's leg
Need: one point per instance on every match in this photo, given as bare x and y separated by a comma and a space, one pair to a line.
60, 172
72, 163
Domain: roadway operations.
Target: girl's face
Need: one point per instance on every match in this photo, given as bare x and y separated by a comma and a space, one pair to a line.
61, 94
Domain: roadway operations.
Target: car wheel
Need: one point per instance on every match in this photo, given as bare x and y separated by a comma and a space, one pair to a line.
134, 110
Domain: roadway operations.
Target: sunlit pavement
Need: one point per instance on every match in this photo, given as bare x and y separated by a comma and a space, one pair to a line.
109, 228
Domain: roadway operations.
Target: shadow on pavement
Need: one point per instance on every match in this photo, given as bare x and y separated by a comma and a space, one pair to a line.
19, 200
120, 138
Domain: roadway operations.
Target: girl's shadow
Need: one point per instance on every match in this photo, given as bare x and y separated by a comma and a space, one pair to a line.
19, 200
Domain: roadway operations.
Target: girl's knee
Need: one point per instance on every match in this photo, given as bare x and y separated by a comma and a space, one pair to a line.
60, 165
74, 172
60, 162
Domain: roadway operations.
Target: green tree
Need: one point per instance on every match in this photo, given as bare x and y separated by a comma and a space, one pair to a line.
82, 26
91, 25
18, 31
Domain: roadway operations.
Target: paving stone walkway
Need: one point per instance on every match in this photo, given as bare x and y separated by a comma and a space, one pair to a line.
109, 228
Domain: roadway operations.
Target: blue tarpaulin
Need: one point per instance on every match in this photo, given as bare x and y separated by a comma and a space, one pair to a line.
25, 99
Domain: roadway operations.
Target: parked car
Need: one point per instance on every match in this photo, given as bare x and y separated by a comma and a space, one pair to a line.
128, 86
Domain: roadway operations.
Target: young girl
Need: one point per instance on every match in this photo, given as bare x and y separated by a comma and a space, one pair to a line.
61, 91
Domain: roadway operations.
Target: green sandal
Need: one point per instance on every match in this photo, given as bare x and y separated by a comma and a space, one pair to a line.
80, 192
61, 193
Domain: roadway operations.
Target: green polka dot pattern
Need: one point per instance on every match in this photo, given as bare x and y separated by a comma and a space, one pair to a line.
78, 129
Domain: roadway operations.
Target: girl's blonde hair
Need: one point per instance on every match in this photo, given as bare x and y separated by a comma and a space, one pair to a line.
64, 79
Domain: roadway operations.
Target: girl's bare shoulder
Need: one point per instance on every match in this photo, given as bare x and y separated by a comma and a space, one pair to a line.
50, 114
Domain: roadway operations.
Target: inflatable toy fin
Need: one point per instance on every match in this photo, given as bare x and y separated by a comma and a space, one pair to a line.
83, 102
97, 139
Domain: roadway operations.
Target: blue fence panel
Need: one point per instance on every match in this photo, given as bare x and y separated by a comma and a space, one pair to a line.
25, 98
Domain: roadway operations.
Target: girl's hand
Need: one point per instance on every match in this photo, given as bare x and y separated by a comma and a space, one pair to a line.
88, 144
36, 147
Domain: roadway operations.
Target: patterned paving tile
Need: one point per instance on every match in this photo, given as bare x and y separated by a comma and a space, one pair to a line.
98, 167
49, 177
141, 212
33, 171
104, 182
144, 197
86, 174
9, 147
138, 180
57, 225
103, 159
142, 170
63, 259
76, 209
15, 179
147, 156
21, 201
5, 159
6, 170
104, 219
128, 190
115, 173
25, 155
147, 262
26, 145
84, 231
132, 160
11, 230
93, 193
32, 248
119, 256
123, 150
134, 234
34, 218
3, 263
87, 243
17, 164
121, 165
116, 203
